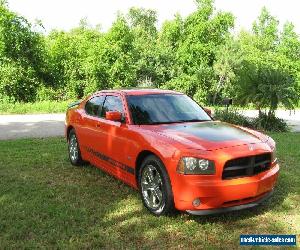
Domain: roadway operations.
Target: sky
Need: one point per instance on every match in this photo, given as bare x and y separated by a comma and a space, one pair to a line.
66, 14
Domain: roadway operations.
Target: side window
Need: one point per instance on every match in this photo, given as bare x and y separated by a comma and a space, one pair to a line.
94, 106
112, 103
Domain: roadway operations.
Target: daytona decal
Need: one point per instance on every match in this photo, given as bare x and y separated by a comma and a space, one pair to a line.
111, 161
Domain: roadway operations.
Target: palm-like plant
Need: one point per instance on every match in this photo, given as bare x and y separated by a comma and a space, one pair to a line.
266, 87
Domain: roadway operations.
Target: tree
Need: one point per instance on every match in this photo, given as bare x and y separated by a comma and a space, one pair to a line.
17, 83
69, 60
289, 47
265, 28
171, 32
267, 75
142, 24
202, 32
118, 54
228, 60
143, 21
196, 55
21, 57
266, 86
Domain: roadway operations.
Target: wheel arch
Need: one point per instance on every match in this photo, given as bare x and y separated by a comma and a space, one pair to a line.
70, 127
140, 158
145, 153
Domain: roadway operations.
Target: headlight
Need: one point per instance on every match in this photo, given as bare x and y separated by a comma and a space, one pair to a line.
274, 155
272, 145
192, 165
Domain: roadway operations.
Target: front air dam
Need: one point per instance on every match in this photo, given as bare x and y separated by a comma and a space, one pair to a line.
233, 208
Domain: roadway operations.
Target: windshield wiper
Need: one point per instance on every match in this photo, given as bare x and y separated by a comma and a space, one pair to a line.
180, 121
194, 120
155, 123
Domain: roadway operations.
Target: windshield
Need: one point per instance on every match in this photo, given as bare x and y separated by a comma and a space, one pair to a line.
165, 108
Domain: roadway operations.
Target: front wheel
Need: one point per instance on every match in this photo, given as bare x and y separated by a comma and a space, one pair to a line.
155, 187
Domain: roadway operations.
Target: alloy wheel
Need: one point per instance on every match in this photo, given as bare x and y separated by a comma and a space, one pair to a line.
73, 148
151, 184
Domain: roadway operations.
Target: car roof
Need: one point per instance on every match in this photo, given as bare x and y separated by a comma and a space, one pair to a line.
139, 91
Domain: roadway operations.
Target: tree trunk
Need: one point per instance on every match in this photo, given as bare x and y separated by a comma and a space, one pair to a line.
220, 83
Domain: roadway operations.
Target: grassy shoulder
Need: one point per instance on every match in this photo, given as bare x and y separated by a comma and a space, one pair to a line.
42, 107
47, 203
47, 107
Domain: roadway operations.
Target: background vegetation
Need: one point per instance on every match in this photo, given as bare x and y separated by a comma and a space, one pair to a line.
198, 55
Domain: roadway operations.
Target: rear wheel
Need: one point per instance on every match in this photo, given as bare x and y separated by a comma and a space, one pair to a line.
155, 187
74, 150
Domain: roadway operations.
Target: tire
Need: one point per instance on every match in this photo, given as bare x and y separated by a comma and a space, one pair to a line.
155, 187
74, 149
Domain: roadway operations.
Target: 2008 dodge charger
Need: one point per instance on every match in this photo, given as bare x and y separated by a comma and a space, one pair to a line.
170, 149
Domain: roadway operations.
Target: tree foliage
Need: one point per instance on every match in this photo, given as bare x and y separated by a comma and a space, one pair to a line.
22, 62
197, 55
270, 65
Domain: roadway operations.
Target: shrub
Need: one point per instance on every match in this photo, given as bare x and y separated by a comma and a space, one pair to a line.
270, 123
262, 122
234, 117
75, 89
45, 93
49, 94
17, 82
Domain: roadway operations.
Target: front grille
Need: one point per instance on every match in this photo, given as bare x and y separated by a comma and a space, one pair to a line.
246, 166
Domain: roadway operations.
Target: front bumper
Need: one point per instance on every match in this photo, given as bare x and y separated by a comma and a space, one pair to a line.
233, 208
217, 195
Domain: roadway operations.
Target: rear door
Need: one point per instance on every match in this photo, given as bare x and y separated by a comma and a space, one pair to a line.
88, 136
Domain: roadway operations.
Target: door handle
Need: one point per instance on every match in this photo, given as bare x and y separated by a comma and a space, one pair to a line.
98, 125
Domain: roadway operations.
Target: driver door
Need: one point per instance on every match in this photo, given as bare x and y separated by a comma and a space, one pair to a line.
112, 142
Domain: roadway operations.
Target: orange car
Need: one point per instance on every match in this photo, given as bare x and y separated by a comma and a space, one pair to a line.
170, 149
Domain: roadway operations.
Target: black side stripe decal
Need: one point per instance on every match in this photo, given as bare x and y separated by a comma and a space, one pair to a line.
112, 162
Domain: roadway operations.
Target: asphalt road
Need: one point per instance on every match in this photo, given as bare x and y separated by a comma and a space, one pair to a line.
31, 126
48, 125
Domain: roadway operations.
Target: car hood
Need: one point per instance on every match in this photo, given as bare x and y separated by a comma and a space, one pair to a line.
209, 135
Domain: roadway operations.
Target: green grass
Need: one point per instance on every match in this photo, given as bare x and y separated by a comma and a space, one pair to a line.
42, 107
46, 202
46, 107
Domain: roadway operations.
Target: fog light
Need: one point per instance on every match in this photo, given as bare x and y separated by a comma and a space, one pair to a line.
196, 202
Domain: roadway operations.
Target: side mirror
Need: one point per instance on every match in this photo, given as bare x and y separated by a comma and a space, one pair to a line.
208, 111
113, 116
